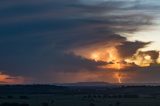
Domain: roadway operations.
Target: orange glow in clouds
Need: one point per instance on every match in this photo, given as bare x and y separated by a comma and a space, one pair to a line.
114, 61
141, 60
110, 56
6, 79
158, 60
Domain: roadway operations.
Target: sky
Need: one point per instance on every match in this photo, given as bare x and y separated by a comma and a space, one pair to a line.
67, 41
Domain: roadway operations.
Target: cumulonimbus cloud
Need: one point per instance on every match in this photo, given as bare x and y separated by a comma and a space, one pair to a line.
40, 37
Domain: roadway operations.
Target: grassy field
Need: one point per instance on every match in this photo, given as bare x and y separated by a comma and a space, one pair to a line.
77, 100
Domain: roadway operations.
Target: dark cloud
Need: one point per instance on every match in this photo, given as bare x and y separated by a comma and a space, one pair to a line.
36, 35
154, 54
138, 74
128, 49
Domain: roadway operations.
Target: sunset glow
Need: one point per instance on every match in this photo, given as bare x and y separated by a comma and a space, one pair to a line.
6, 79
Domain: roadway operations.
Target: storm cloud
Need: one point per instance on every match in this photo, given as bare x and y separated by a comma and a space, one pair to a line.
38, 37
128, 49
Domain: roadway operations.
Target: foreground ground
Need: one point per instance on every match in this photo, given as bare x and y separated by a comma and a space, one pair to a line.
77, 100
38, 96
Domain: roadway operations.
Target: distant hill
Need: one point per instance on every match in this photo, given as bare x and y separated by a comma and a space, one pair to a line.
80, 88
94, 84
106, 84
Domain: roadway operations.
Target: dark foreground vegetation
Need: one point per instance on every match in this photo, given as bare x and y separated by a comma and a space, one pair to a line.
50, 95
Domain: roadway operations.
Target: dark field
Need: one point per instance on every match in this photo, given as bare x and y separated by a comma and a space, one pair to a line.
49, 95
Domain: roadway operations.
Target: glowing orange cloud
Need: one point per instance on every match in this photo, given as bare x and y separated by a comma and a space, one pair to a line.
7, 79
158, 60
142, 60
112, 56
109, 55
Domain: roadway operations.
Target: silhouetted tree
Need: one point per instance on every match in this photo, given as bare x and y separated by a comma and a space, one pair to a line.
23, 97
110, 104
9, 104
91, 104
24, 104
52, 101
44, 104
117, 103
10, 97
